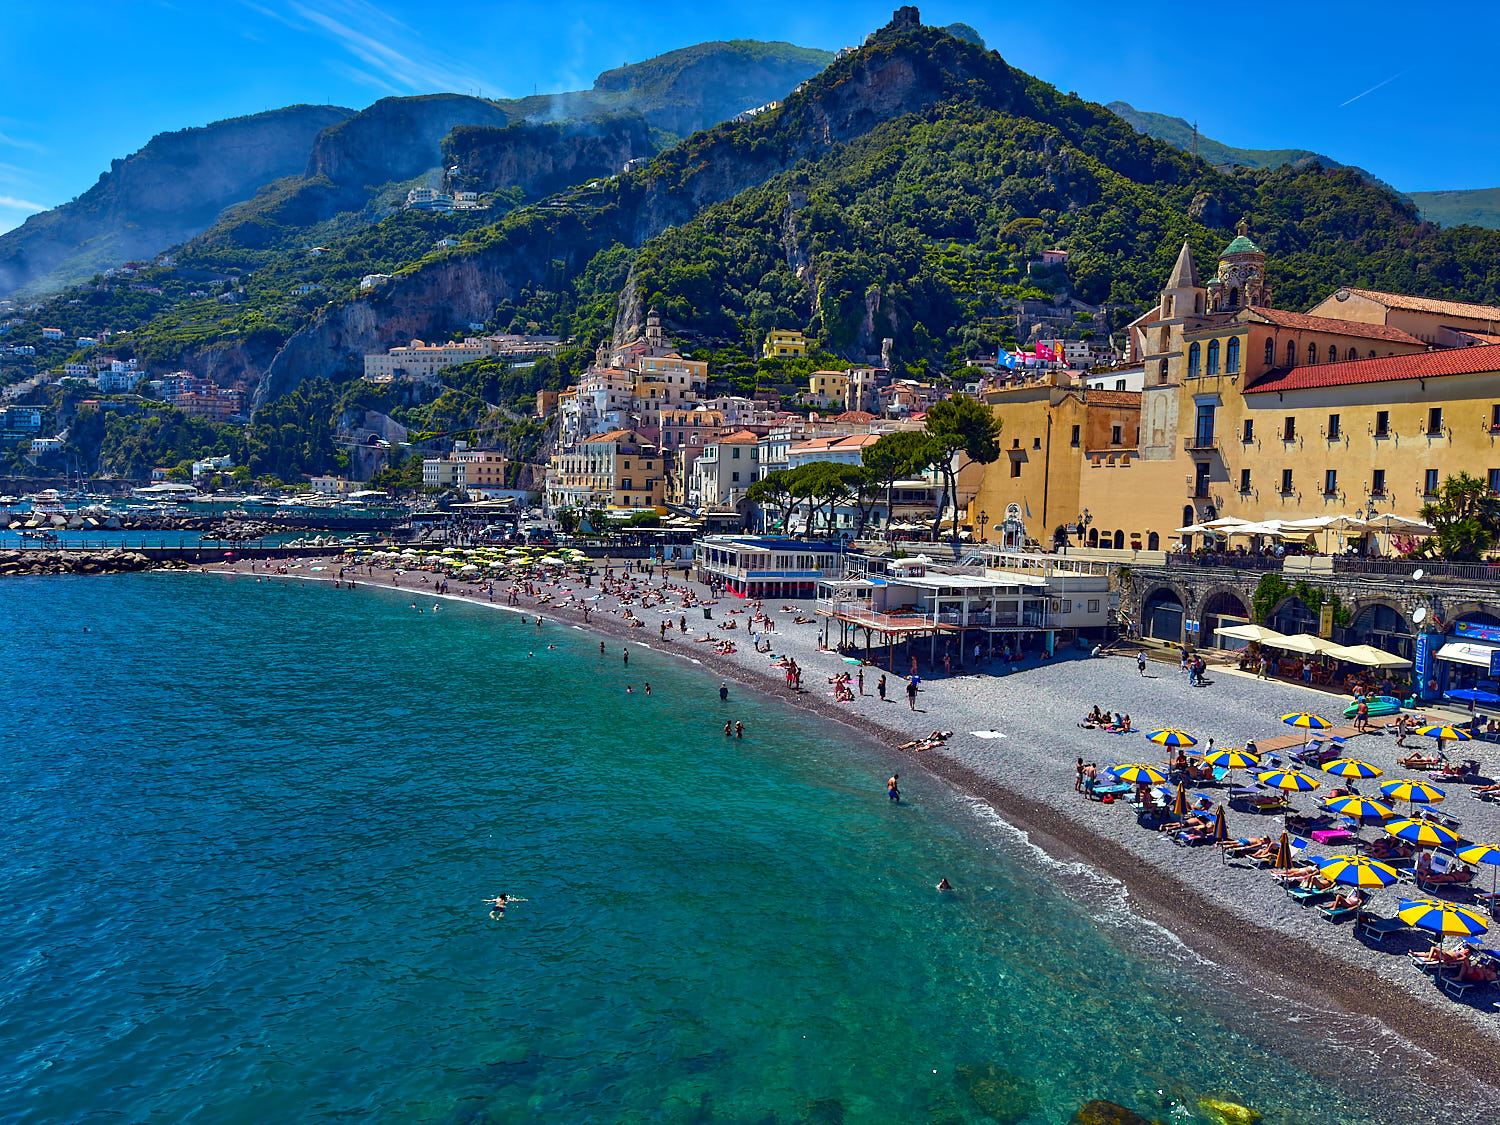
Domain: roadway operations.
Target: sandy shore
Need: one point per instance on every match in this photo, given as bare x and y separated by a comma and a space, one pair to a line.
1231, 913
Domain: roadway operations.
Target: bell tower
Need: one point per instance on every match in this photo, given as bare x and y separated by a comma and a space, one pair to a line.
1242, 274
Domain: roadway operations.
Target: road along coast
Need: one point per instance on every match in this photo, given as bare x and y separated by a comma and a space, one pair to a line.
1014, 744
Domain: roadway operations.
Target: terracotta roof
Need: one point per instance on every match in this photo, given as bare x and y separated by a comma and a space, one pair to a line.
1113, 398
1429, 304
825, 444
1303, 322
854, 416
613, 435
1424, 365
739, 437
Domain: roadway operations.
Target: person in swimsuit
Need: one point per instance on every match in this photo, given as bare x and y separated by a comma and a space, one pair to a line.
893, 788
499, 903
944, 885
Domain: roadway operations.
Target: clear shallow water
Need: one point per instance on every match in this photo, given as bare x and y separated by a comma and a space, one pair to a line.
246, 828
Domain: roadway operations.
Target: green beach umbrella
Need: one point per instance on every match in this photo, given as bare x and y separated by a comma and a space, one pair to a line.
1135, 774
1360, 808
1441, 918
1423, 833
1352, 767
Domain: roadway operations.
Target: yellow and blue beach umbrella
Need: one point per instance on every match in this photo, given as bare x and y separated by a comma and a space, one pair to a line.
1360, 808
1306, 722
1135, 774
1485, 853
1171, 737
1179, 802
1413, 792
1440, 730
1442, 918
1289, 780
1423, 833
1283, 858
1232, 759
1359, 871
1352, 767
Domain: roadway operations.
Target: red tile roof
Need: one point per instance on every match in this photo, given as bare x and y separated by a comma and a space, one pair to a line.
854, 416
1424, 365
1305, 323
1430, 305
739, 437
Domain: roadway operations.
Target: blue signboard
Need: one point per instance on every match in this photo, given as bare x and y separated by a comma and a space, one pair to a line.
1494, 663
1422, 665
1471, 631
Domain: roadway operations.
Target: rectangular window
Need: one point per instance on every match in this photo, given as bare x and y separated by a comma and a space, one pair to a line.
1093, 605
1036, 443
1286, 482
1495, 416
1330, 482
1494, 481
1289, 429
1114, 435
1203, 433
1435, 420
1076, 434
736, 478
1382, 423
1430, 482
736, 453
1200, 483
1333, 427
1015, 468
1377, 483
1244, 480
1249, 434
1119, 384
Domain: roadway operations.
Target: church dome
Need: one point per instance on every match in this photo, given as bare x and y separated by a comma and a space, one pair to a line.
1240, 245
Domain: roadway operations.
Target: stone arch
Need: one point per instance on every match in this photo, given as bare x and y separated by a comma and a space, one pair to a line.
1382, 623
1219, 602
1477, 612
1163, 610
1293, 615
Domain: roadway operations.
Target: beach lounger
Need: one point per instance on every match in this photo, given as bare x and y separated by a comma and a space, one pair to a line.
1332, 913
1376, 928
1456, 988
1334, 836
1306, 896
1442, 818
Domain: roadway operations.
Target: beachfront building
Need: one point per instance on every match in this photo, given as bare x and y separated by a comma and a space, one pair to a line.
915, 599
484, 473
726, 468
614, 470
767, 566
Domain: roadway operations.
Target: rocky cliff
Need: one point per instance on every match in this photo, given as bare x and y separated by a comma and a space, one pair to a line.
542, 159
169, 191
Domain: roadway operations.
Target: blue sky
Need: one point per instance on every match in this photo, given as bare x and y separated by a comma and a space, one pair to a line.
86, 81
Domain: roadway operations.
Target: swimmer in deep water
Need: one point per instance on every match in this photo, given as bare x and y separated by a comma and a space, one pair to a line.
499, 903
944, 885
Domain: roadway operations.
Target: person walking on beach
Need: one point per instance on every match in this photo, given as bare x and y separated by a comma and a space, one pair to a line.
1078, 784
861, 679
723, 692
880, 687
911, 693
893, 787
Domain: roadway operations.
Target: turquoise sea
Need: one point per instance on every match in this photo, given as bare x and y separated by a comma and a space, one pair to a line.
246, 827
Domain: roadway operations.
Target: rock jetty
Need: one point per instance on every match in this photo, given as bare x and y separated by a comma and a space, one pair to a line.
14, 564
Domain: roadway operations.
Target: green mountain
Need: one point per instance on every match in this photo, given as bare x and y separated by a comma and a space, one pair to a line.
1478, 207
165, 193
252, 179
903, 193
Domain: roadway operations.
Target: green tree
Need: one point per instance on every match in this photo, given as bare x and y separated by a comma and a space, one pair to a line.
961, 427
895, 457
1465, 519
567, 519
774, 491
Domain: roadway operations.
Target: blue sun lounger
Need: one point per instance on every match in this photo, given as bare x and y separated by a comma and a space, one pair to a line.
1376, 928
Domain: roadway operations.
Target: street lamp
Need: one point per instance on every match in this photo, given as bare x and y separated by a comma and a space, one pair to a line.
984, 523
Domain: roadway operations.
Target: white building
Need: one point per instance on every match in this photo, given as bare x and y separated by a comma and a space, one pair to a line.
725, 470
119, 382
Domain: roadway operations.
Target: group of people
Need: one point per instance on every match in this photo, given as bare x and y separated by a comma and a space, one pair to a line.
1099, 719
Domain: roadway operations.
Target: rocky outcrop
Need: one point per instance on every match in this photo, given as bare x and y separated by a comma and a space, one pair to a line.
16, 564
542, 159
168, 192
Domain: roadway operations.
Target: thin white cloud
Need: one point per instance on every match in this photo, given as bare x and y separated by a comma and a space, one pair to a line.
391, 49
12, 203
21, 142
1373, 88
362, 78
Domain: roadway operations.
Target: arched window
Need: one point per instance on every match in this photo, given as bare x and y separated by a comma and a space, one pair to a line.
1234, 296
1153, 541
1198, 302
1093, 537
1353, 354
1333, 354
1270, 353
1119, 540
1193, 356
1213, 357
1187, 514
1312, 353
1291, 353
1232, 355
1372, 353
1166, 305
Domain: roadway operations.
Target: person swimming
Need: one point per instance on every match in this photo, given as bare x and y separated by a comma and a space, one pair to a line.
499, 903
944, 885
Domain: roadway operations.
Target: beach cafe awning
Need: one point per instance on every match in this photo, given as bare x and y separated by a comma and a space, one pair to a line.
1463, 652
1199, 529
1257, 633
1304, 643
1368, 656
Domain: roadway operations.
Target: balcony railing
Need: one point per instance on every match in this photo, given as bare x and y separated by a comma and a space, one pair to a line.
1201, 443
1237, 562
1404, 568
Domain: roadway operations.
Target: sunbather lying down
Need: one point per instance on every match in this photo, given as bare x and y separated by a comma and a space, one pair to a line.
1420, 762
1250, 844
1307, 877
1192, 823
1349, 900
1475, 972
932, 741
1437, 955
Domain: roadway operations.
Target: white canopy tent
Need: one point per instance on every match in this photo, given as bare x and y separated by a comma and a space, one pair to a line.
1368, 656
1257, 633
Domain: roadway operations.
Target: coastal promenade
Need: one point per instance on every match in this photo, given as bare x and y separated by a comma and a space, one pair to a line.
1016, 737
